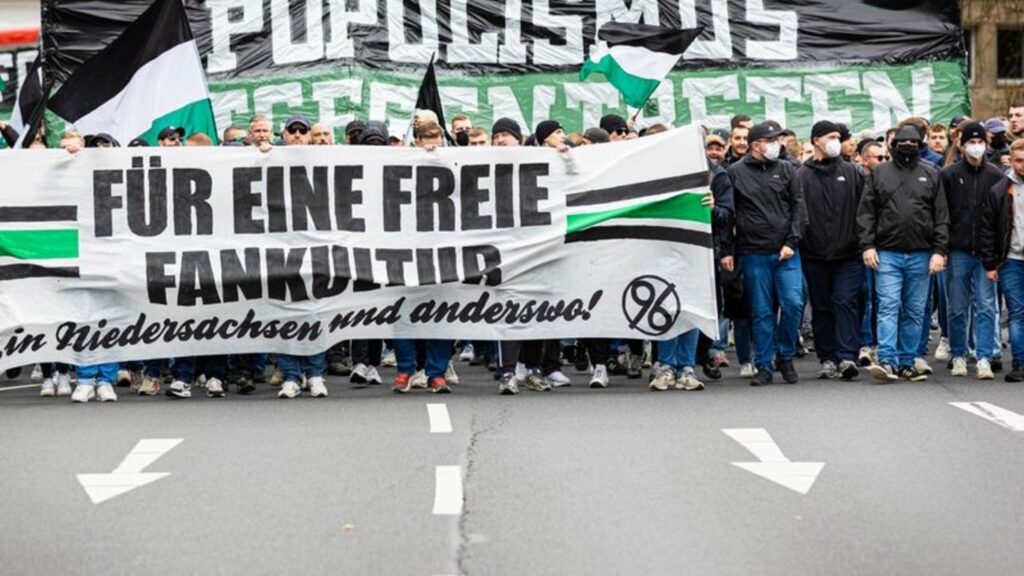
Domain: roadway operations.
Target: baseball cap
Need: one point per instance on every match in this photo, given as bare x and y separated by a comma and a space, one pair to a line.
171, 131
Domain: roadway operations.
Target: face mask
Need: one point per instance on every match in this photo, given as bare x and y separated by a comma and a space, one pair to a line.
998, 141
771, 151
975, 151
833, 148
462, 138
906, 153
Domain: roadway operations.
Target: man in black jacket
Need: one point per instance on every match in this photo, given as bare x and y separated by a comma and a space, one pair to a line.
769, 225
1001, 246
829, 250
968, 183
903, 224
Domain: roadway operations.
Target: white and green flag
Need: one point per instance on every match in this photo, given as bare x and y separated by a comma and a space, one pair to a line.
149, 78
635, 58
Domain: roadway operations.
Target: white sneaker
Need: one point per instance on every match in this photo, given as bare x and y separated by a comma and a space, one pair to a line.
48, 390
388, 360
959, 367
289, 390
521, 371
418, 380
984, 368
688, 380
557, 379
63, 385
150, 386
359, 374
317, 388
451, 377
277, 378
124, 378
600, 377
922, 366
864, 357
179, 389
372, 376
942, 352
304, 383
201, 381
37, 373
83, 393
467, 353
214, 388
106, 393
662, 379
747, 371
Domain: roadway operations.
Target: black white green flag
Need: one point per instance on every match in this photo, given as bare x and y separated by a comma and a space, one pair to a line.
635, 58
149, 78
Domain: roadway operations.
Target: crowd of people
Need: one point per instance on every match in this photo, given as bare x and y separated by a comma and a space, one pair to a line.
855, 246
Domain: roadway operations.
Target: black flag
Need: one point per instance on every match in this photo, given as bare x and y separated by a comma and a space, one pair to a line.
429, 98
28, 110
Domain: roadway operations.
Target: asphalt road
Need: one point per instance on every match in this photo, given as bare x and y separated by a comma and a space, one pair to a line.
576, 481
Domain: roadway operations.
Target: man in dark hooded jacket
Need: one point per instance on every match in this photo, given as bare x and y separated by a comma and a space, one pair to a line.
903, 224
829, 251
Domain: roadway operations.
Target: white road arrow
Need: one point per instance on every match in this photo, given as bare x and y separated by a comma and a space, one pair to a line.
773, 465
129, 474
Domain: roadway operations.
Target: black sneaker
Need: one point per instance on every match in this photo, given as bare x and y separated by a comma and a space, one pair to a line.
245, 385
883, 373
996, 364
848, 370
762, 378
581, 362
1017, 374
635, 368
789, 372
711, 371
615, 368
912, 374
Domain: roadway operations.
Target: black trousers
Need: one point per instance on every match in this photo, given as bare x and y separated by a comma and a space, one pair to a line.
834, 289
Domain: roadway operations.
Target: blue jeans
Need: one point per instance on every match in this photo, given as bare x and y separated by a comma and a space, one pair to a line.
869, 308
902, 283
719, 346
936, 301
439, 352
98, 374
1011, 280
967, 288
767, 281
741, 334
293, 367
679, 352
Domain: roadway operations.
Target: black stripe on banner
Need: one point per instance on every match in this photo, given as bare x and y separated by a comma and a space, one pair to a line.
678, 235
161, 27
638, 190
653, 38
23, 271
38, 213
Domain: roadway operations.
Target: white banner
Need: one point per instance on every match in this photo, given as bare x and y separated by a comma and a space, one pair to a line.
119, 254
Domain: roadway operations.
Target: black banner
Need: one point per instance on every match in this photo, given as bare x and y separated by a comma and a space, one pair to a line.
241, 38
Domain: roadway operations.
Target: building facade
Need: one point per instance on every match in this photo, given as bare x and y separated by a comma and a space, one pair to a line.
994, 31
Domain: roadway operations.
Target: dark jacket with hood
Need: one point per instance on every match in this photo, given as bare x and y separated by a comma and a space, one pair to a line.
832, 189
967, 192
996, 224
904, 206
769, 206
724, 211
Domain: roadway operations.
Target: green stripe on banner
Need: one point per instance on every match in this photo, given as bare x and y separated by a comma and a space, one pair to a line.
680, 207
635, 90
39, 244
194, 117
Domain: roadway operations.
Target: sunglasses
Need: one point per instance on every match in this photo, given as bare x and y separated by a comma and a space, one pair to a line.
293, 129
622, 131
882, 157
173, 138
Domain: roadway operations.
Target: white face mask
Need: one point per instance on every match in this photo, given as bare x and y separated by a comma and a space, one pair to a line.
772, 150
833, 148
975, 151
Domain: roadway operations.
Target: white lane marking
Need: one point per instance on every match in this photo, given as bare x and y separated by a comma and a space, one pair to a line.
773, 464
992, 413
129, 473
448, 491
22, 387
440, 423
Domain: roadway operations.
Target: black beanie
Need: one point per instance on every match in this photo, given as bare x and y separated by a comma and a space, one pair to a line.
823, 127
973, 130
545, 129
509, 126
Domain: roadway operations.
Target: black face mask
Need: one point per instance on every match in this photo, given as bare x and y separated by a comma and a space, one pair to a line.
906, 154
998, 141
462, 138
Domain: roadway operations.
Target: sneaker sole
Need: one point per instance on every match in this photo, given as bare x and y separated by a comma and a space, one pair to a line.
214, 394
173, 394
444, 390
47, 393
598, 385
507, 392
850, 374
